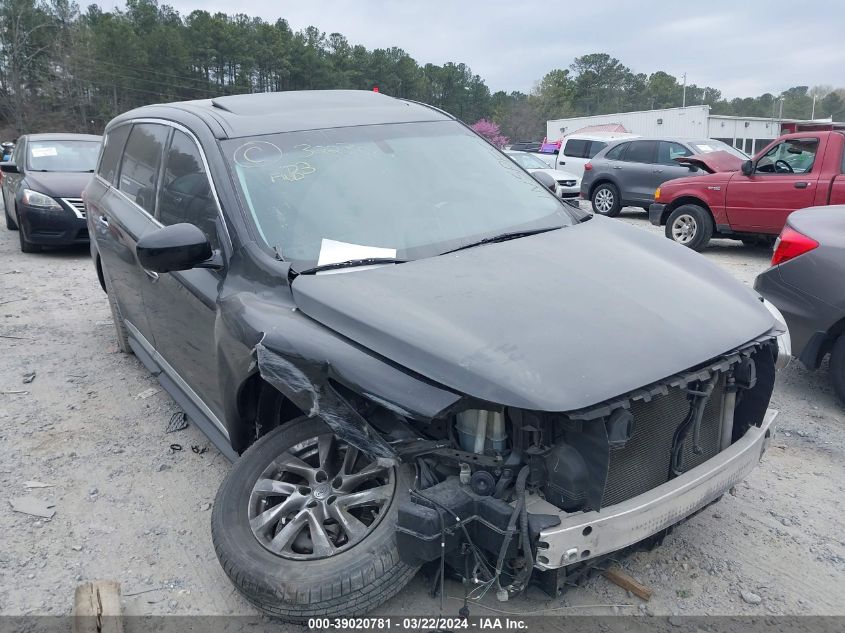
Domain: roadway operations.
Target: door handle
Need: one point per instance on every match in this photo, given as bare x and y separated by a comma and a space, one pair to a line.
151, 274
562, 162
657, 171
103, 220
801, 185
617, 167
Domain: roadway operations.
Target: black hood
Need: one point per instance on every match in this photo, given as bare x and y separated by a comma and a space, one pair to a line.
58, 184
553, 322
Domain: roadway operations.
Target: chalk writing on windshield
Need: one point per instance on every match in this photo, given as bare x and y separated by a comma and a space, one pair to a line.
333, 149
293, 172
257, 154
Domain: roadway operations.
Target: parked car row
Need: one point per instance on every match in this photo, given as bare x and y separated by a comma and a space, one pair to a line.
627, 173
372, 312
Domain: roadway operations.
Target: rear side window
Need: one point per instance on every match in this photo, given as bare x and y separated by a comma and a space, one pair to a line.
617, 152
576, 148
641, 152
113, 142
185, 194
668, 151
595, 148
141, 162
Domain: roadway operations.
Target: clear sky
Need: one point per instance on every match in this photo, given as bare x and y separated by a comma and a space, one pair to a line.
741, 48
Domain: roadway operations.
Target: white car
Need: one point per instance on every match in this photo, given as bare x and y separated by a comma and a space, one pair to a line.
568, 185
576, 150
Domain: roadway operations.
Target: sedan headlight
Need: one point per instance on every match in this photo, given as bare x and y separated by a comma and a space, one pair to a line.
39, 200
784, 341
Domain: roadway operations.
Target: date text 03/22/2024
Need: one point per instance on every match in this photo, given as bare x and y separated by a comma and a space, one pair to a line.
418, 624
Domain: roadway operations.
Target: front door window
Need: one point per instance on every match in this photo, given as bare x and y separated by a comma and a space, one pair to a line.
795, 156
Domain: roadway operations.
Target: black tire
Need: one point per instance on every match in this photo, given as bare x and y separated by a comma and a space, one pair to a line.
606, 200
119, 325
26, 245
837, 367
10, 223
350, 582
690, 225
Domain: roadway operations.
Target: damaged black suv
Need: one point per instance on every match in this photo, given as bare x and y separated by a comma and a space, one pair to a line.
405, 340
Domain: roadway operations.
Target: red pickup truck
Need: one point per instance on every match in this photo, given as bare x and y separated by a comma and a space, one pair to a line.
751, 200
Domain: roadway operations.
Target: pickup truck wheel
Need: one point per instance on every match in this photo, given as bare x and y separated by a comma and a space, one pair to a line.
837, 367
606, 200
690, 225
304, 525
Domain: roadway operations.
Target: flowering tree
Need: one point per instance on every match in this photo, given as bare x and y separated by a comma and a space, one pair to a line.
490, 131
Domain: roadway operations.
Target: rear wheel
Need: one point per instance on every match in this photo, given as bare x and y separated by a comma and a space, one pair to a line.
837, 367
119, 325
606, 200
690, 225
304, 525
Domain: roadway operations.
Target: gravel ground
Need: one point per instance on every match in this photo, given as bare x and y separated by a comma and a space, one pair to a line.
129, 507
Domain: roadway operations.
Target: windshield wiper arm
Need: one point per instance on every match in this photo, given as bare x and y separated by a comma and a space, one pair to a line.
352, 263
503, 237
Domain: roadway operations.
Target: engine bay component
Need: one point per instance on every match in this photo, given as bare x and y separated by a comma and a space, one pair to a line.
566, 485
481, 432
482, 483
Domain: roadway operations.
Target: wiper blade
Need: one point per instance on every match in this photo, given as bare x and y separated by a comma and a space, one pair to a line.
503, 237
352, 263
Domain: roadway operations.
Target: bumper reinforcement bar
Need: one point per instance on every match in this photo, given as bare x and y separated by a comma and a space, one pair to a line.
586, 535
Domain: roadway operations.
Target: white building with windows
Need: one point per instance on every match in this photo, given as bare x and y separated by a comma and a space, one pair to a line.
749, 134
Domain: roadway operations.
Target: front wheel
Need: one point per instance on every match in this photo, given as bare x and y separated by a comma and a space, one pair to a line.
304, 525
691, 226
10, 223
26, 245
837, 367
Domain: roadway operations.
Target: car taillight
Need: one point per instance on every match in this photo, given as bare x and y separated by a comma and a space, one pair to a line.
790, 244
588, 167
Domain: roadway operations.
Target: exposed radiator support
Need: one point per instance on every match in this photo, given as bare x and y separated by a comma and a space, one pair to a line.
728, 406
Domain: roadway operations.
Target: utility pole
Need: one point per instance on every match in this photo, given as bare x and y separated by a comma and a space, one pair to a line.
684, 104
813, 115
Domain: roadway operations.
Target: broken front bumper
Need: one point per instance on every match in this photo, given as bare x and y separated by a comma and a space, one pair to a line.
586, 535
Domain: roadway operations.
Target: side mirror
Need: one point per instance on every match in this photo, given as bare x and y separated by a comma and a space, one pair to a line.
9, 168
747, 168
692, 167
175, 247
546, 180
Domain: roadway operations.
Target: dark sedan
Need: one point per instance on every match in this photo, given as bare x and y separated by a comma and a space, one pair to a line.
805, 283
42, 188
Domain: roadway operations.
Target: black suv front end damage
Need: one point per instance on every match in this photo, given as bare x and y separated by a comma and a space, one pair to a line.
508, 496
570, 488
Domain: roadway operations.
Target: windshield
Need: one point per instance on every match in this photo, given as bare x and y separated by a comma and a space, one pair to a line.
527, 161
712, 145
406, 191
62, 155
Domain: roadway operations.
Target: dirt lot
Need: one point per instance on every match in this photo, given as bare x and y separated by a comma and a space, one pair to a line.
128, 507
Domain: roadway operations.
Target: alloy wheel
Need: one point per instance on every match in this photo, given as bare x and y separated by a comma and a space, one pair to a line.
321, 497
684, 228
604, 200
